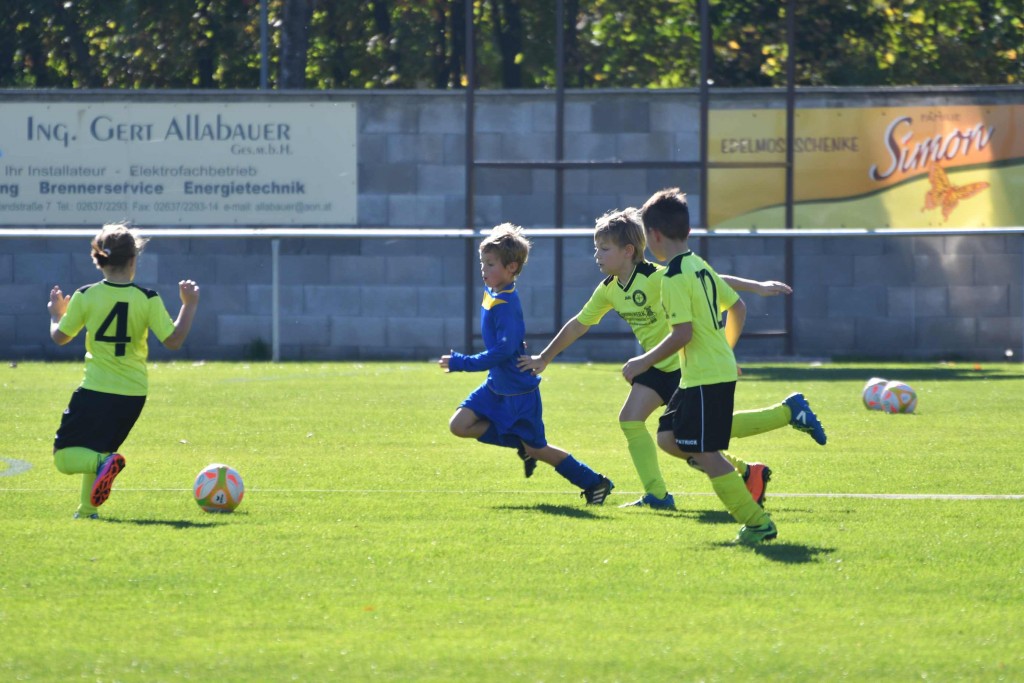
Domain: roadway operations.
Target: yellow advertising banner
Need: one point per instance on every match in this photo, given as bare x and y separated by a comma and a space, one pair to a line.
892, 167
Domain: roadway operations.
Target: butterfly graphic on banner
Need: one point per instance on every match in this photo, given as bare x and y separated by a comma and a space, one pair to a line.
945, 194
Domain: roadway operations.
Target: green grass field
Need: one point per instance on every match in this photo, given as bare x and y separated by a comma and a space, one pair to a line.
373, 545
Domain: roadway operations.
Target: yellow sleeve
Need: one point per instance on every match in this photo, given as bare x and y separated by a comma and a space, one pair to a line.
74, 317
595, 308
159, 320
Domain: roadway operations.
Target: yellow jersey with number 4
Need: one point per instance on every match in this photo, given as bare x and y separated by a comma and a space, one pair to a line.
117, 319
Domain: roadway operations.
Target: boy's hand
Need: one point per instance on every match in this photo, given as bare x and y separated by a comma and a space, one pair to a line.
535, 364
189, 292
634, 367
773, 287
443, 362
58, 304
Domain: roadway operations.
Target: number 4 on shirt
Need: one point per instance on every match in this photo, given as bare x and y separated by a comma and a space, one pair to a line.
118, 317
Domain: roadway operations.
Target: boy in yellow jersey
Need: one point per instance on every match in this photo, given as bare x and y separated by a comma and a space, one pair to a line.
698, 419
117, 315
633, 290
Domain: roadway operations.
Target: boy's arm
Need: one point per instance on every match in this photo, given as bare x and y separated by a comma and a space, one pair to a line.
679, 337
57, 307
485, 360
58, 336
189, 292
734, 322
765, 288
509, 330
570, 332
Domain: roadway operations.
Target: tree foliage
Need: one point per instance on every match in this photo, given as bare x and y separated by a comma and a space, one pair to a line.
357, 44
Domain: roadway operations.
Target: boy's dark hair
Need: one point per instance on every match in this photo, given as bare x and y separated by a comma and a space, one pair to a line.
667, 212
116, 245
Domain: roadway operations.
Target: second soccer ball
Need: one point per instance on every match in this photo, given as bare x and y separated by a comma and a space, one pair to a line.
898, 397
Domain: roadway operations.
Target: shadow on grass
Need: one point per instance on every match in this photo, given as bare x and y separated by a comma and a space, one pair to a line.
548, 509
699, 516
713, 517
173, 523
786, 553
964, 371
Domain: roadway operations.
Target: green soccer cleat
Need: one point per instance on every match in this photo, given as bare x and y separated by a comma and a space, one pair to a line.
752, 535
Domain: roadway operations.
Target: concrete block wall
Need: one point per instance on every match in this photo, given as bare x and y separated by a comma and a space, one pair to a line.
404, 298
956, 297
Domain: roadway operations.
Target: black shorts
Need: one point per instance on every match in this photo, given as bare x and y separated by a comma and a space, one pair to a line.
700, 417
663, 383
97, 420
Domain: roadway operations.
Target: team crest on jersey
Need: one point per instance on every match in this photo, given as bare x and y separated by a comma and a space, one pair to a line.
639, 298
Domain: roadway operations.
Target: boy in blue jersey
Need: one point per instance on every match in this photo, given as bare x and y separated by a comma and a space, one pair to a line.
506, 409
117, 315
697, 422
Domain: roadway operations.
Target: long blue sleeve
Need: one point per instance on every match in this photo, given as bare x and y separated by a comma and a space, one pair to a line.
503, 330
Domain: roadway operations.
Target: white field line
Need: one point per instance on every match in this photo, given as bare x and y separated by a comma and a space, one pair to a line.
618, 494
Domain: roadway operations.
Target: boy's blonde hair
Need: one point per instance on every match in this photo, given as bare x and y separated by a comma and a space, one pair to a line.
623, 228
116, 245
509, 243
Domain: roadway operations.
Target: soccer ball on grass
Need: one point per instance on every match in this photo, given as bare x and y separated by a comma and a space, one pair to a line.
898, 397
872, 393
218, 488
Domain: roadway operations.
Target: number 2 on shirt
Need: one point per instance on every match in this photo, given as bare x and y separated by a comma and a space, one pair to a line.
118, 317
707, 282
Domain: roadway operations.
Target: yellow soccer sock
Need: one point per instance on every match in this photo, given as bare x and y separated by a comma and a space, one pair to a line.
752, 422
85, 507
84, 461
78, 460
733, 493
740, 465
645, 457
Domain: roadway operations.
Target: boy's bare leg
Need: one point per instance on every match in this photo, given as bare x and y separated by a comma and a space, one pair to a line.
467, 424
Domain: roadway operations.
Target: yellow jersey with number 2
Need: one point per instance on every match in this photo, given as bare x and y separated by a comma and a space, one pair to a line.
692, 292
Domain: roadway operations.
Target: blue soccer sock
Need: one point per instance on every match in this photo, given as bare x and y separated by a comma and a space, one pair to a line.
577, 473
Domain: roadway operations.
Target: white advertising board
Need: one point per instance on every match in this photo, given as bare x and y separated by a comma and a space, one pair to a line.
178, 163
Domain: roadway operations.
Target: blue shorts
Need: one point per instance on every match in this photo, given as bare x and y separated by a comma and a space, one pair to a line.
520, 415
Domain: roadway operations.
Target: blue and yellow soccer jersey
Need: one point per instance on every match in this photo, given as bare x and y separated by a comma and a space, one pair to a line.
692, 292
638, 302
504, 334
117, 318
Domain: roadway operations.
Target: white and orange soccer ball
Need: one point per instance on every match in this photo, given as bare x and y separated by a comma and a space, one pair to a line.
872, 393
218, 488
898, 397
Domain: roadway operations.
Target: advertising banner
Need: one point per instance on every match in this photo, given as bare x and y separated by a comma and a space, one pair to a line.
177, 164
892, 167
